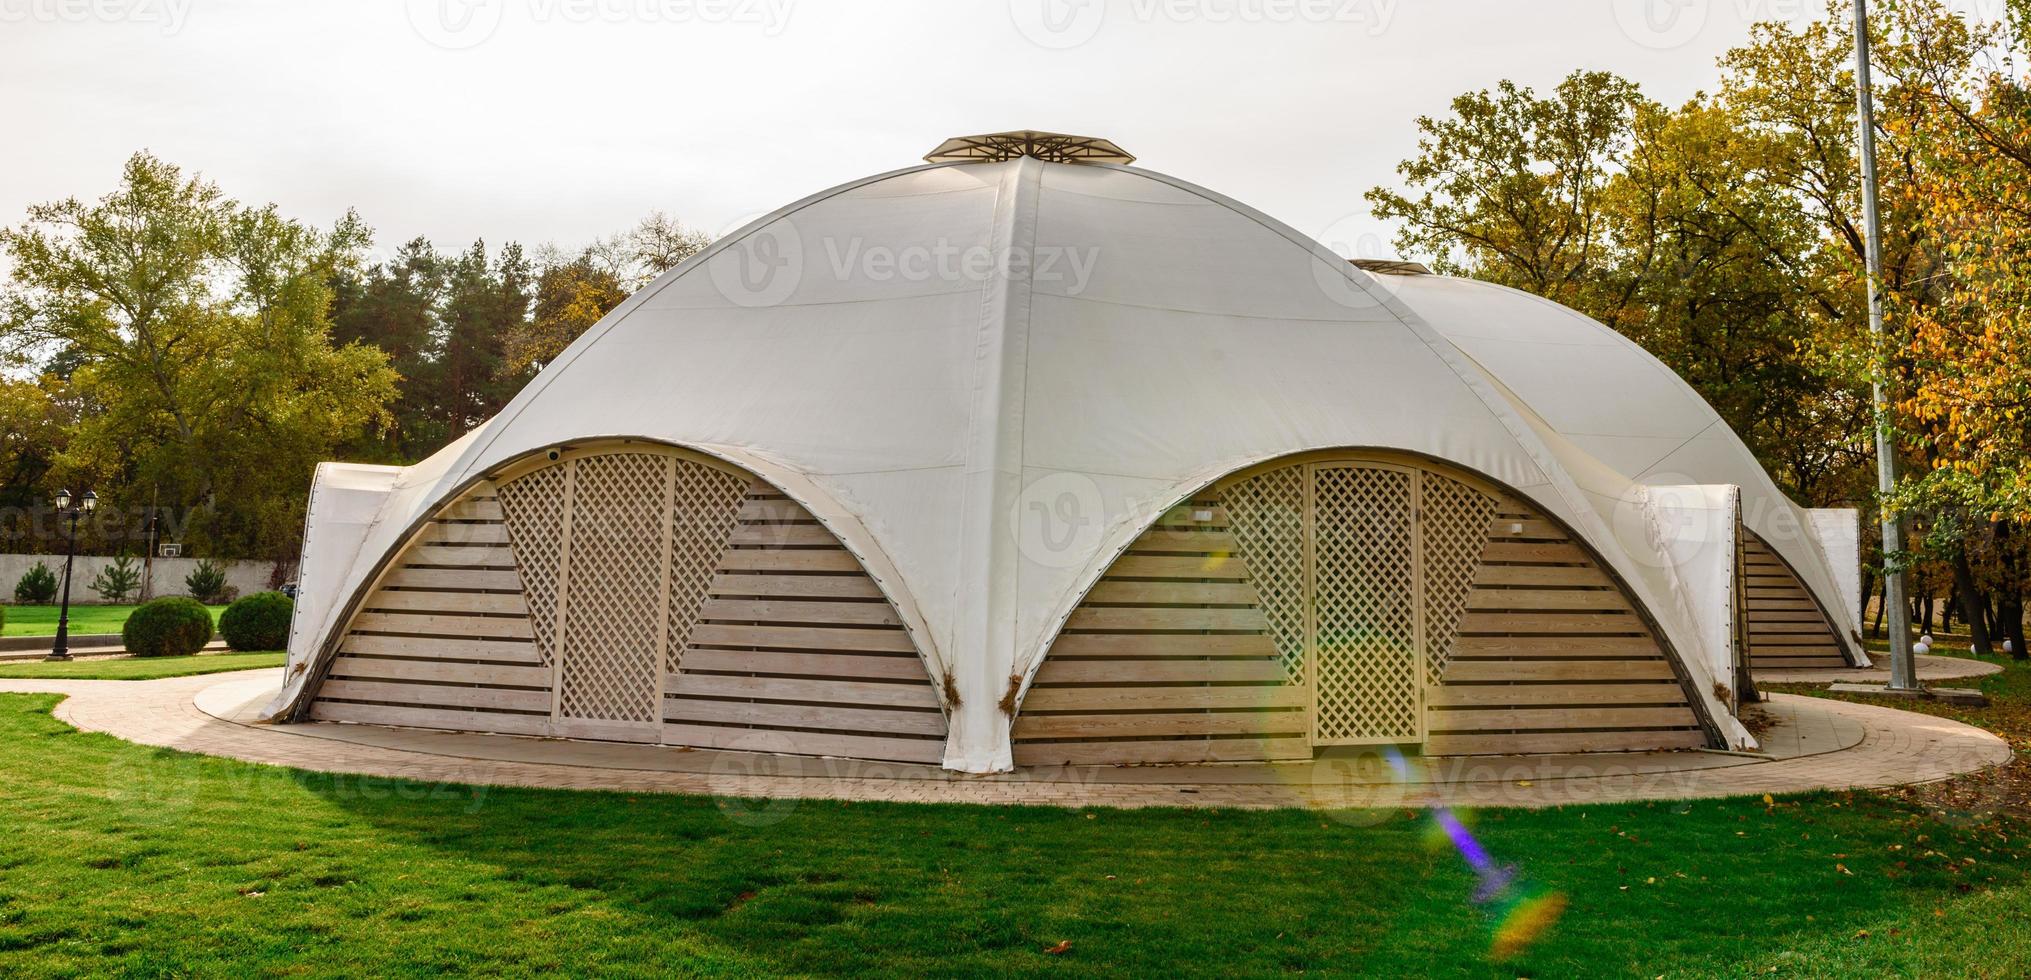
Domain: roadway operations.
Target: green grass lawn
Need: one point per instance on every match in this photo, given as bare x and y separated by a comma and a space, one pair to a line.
144, 668
120, 859
41, 620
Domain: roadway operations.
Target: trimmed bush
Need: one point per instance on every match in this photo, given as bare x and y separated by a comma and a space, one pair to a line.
3, 617
257, 622
37, 586
173, 626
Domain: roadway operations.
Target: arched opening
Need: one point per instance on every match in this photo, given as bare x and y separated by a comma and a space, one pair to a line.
636, 592
1353, 599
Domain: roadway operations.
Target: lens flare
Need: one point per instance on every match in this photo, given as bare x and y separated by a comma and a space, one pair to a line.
1521, 914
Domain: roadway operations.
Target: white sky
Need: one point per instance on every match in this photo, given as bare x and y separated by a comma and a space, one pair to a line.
563, 120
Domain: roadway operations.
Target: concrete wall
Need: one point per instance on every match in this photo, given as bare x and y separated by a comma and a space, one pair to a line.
168, 574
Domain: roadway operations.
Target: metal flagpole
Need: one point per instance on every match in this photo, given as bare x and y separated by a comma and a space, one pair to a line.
1896, 610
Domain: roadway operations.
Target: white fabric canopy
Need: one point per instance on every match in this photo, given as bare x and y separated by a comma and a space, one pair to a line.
922, 356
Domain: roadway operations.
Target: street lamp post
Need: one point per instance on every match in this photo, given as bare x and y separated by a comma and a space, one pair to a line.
1896, 609
84, 505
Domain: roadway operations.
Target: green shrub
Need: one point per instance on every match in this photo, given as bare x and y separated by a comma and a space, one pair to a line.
37, 586
3, 617
206, 583
257, 622
117, 581
173, 626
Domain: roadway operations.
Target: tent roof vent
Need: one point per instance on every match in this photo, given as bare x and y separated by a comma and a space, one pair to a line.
1391, 267
1048, 147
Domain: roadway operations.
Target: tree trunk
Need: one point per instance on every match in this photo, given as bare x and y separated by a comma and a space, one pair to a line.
2011, 607
1973, 604
1882, 602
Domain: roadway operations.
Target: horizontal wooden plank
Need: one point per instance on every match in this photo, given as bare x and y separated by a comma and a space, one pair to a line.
1187, 515
1759, 627
788, 611
428, 624
872, 721
1469, 671
475, 556
1547, 576
1473, 647
1159, 645
887, 667
441, 648
1794, 648
442, 672
918, 695
472, 510
1516, 551
1159, 752
476, 580
1506, 719
783, 536
1511, 528
1147, 566
926, 751
1571, 600
1498, 695
1540, 743
1177, 541
1175, 593
1163, 698
437, 695
778, 509
1164, 618
791, 560
1760, 662
1060, 671
445, 719
443, 533
1032, 726
1549, 622
855, 586
503, 603
801, 638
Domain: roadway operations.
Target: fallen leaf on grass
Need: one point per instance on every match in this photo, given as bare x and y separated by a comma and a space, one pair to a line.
1064, 946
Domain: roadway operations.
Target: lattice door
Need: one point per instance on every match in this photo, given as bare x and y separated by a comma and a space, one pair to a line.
1367, 682
613, 635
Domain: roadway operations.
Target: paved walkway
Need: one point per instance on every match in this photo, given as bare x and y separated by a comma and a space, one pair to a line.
1812, 744
1930, 669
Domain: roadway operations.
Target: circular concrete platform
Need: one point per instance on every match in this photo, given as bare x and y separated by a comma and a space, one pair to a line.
1809, 744
1930, 669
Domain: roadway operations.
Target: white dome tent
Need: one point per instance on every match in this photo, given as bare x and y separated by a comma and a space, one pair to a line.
1025, 456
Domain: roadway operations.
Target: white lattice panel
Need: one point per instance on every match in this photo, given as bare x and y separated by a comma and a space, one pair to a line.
1367, 682
533, 507
1453, 521
612, 651
705, 509
1268, 516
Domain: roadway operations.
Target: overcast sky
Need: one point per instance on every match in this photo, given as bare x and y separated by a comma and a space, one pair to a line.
562, 120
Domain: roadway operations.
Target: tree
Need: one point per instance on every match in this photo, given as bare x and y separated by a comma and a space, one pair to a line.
570, 297
117, 580
485, 303
197, 341
393, 306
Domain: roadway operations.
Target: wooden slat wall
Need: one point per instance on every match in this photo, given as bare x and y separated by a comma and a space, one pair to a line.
1552, 657
445, 641
1169, 659
1784, 626
797, 651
